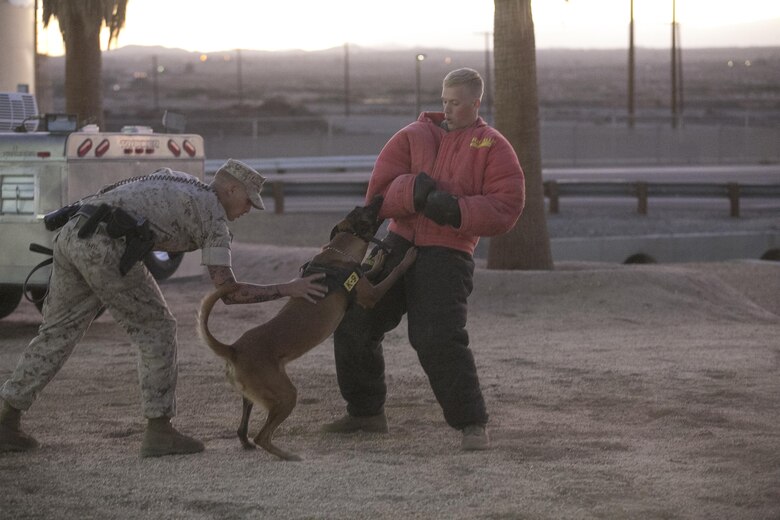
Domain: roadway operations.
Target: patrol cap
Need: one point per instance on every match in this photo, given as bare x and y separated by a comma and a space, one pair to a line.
252, 181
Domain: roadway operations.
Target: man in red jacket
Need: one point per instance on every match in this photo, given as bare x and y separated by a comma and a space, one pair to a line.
447, 179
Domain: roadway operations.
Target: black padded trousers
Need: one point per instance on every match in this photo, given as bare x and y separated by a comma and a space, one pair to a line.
434, 294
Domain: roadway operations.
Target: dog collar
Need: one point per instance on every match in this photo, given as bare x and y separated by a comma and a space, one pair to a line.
342, 253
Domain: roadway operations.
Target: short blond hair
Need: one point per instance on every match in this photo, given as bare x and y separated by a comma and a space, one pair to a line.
467, 77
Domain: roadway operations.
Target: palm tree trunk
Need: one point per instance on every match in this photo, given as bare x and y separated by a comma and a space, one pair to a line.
527, 245
83, 64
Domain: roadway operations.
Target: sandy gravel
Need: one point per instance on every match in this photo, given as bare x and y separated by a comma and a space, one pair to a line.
642, 392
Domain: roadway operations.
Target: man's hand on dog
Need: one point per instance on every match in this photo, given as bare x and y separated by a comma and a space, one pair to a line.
306, 288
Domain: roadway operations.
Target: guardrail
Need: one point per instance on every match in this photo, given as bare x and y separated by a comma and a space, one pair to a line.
349, 175
321, 164
642, 190
334, 175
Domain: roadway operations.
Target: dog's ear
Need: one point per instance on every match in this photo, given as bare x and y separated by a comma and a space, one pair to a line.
344, 224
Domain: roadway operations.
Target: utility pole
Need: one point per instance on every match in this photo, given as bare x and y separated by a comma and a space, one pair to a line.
155, 91
240, 79
346, 79
36, 64
674, 64
631, 68
488, 81
680, 89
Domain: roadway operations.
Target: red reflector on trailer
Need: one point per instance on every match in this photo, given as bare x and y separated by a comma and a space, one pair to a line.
102, 148
139, 150
84, 147
128, 151
189, 148
174, 148
44, 155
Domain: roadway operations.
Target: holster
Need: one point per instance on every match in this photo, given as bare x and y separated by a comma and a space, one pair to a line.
139, 239
138, 243
94, 217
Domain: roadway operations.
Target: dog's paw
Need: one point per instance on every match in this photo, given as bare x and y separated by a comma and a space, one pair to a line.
409, 258
292, 457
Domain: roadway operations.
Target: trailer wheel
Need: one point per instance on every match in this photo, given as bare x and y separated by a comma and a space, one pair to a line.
10, 296
161, 264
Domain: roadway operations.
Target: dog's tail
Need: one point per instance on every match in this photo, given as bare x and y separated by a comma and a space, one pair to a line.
224, 351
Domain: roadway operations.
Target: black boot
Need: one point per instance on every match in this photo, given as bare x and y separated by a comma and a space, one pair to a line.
12, 438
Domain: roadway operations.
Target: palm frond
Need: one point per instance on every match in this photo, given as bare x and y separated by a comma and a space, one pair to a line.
89, 15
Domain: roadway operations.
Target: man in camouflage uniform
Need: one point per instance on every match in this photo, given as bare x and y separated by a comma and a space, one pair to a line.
183, 214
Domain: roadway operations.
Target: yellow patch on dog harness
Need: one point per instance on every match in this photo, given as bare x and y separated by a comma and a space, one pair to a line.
485, 142
351, 280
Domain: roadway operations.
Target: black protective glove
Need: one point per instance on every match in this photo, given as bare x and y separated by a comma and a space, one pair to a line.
442, 208
423, 185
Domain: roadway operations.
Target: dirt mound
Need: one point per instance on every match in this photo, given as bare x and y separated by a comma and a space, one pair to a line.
662, 294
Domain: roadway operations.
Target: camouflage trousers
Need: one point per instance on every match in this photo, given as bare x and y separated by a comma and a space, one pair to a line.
85, 277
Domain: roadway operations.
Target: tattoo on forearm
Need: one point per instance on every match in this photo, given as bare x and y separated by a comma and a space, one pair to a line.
256, 294
246, 293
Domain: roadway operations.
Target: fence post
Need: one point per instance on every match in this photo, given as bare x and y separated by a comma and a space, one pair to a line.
641, 196
551, 190
733, 190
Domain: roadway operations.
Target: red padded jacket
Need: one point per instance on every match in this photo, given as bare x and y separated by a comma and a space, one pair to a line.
477, 164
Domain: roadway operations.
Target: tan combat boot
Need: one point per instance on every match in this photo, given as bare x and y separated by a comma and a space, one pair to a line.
475, 438
349, 424
161, 438
12, 438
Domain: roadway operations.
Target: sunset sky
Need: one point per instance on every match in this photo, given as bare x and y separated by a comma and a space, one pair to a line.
200, 25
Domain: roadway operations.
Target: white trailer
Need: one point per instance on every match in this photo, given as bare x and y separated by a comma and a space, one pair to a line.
41, 172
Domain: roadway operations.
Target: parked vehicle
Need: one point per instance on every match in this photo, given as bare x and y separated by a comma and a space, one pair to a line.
43, 169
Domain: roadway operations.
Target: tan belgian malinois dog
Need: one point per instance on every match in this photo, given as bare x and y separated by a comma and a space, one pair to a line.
256, 361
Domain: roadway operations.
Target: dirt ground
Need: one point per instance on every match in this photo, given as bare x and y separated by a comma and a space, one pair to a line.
642, 392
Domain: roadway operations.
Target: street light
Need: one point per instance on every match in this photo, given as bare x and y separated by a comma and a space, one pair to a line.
488, 81
418, 59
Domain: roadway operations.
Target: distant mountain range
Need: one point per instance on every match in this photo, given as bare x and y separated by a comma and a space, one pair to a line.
764, 33
139, 79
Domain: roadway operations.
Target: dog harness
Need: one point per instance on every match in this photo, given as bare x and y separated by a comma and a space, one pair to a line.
336, 278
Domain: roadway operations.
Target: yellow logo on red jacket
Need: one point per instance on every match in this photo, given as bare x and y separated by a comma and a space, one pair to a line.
485, 142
